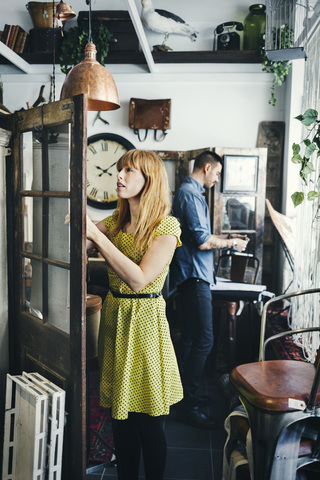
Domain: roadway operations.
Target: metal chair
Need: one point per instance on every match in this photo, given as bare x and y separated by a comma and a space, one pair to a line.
238, 267
281, 398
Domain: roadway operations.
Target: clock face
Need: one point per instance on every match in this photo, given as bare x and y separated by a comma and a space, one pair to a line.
103, 152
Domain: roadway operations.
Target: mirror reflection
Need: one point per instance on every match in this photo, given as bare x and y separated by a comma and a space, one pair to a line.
238, 213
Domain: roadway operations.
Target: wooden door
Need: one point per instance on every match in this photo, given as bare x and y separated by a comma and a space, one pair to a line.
47, 259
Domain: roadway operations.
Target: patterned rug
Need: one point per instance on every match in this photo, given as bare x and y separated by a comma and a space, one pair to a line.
283, 348
101, 438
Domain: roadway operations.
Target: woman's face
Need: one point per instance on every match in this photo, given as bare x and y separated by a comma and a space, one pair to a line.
130, 182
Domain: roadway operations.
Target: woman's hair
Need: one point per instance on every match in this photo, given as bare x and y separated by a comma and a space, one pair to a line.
155, 200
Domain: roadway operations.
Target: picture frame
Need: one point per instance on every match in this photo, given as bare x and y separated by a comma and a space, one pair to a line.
240, 173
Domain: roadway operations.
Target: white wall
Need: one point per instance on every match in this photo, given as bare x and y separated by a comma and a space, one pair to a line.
208, 110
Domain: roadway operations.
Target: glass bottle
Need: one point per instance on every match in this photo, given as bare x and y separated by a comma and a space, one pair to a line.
254, 27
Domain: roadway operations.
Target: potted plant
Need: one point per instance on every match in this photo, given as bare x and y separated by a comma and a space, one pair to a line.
283, 39
311, 145
75, 40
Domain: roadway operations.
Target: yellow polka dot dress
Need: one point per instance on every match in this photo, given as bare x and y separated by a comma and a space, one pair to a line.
138, 367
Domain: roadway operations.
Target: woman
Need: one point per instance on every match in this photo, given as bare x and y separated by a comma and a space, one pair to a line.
139, 377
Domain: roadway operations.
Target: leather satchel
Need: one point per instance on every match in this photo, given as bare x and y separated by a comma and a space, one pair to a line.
149, 115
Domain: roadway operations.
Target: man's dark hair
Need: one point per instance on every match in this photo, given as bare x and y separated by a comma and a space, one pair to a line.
207, 157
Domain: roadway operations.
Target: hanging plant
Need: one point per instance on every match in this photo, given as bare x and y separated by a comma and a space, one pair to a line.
75, 40
283, 39
311, 144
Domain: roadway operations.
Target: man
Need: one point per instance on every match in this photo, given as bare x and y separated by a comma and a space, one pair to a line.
192, 272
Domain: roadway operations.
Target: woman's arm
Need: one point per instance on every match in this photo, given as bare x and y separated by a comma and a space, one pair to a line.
135, 276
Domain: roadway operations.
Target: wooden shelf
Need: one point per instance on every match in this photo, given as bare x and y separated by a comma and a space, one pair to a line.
214, 56
134, 57
137, 57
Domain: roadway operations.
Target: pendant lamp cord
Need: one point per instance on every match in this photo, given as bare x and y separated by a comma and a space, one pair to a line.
88, 2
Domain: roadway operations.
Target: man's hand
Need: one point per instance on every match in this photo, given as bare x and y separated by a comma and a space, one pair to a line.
240, 242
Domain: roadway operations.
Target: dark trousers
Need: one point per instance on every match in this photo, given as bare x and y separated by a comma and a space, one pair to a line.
196, 339
140, 433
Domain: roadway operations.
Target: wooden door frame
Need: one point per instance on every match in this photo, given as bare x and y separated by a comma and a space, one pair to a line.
75, 429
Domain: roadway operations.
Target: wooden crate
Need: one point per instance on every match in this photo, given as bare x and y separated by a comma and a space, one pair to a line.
25, 430
56, 421
34, 424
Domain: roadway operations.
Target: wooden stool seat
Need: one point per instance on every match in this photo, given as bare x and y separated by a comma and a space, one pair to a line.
268, 385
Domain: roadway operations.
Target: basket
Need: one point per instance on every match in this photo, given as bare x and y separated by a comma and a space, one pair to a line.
41, 13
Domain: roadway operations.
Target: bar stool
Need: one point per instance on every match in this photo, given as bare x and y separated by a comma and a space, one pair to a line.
279, 396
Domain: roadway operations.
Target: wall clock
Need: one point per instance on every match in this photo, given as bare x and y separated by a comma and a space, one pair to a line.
103, 152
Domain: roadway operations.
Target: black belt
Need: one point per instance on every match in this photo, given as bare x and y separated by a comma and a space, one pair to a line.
135, 295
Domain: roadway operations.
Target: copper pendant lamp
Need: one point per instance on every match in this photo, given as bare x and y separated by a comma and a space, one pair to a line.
90, 77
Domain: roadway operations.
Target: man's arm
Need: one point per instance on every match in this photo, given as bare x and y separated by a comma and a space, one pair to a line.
239, 243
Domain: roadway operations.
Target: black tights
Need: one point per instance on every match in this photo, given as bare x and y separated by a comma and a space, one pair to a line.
140, 432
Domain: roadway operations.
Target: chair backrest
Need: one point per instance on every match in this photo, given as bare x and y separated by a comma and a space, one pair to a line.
264, 342
238, 266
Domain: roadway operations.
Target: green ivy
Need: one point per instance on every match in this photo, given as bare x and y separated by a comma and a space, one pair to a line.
311, 144
279, 69
75, 40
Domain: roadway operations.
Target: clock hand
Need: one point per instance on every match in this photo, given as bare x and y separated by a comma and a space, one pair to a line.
104, 170
111, 166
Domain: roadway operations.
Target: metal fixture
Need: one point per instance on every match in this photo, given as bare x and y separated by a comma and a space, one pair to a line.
64, 12
90, 77
286, 29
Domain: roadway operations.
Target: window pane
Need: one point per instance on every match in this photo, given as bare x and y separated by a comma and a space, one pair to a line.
59, 158
31, 156
32, 287
58, 234
32, 225
59, 298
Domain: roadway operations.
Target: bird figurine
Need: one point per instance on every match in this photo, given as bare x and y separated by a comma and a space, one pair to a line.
162, 21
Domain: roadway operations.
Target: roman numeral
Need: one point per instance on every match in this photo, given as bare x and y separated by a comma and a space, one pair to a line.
105, 195
94, 192
104, 146
92, 149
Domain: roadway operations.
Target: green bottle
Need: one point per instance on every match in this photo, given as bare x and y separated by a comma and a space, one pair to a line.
254, 27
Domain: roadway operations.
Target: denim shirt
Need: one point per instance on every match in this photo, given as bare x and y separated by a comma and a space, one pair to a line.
191, 209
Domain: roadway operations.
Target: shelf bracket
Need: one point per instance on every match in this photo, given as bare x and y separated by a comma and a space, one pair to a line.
135, 18
14, 58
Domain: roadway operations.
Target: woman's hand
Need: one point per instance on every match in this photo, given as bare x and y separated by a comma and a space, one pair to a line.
91, 229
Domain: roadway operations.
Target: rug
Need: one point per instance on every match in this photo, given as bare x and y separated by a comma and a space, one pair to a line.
101, 445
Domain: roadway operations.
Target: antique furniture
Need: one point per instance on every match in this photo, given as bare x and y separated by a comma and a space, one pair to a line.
281, 399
